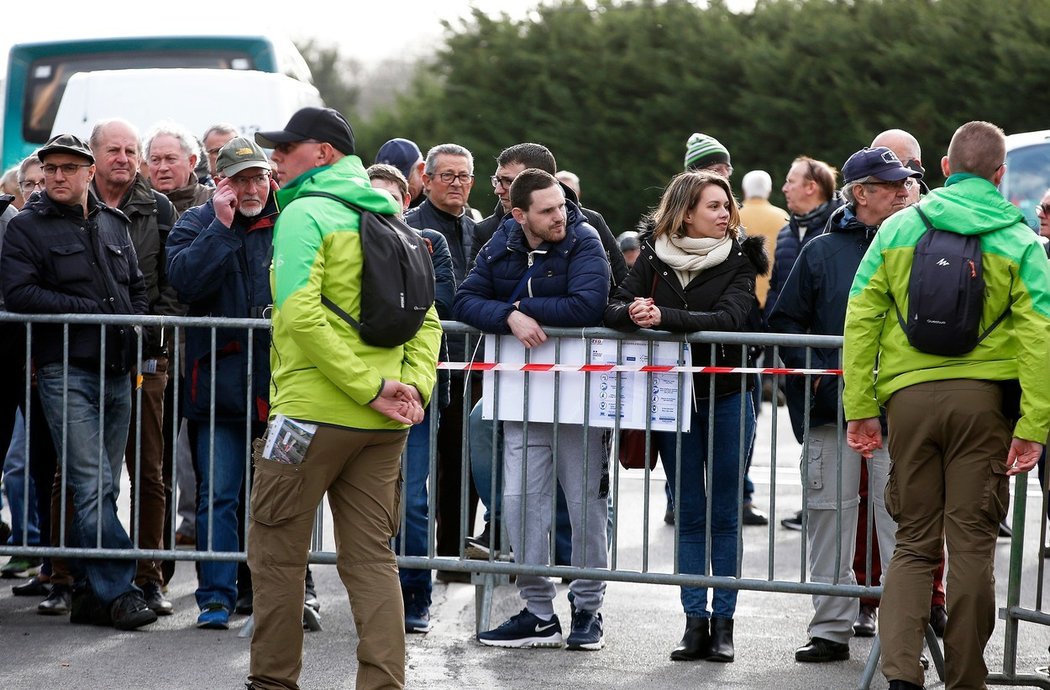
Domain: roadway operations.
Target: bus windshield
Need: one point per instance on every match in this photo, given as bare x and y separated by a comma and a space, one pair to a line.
38, 72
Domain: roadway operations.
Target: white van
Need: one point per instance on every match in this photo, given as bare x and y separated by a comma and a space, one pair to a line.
194, 98
1027, 174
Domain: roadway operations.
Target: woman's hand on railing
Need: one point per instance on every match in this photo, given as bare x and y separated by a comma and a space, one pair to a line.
644, 312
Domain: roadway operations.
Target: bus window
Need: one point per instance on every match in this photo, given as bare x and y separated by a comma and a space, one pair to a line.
37, 73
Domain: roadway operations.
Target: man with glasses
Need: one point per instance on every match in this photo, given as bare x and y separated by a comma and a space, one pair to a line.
68, 253
448, 176
218, 259
813, 301
30, 176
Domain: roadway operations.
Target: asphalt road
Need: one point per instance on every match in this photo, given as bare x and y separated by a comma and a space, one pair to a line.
643, 623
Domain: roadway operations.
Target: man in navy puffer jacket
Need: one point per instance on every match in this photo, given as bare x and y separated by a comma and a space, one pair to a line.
545, 266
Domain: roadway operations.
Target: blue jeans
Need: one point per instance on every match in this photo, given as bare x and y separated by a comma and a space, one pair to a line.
724, 494
92, 467
415, 471
16, 476
224, 480
482, 463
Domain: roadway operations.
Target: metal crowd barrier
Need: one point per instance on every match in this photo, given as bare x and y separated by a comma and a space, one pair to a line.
651, 564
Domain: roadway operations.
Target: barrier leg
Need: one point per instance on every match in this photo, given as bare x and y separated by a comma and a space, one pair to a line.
872, 665
936, 655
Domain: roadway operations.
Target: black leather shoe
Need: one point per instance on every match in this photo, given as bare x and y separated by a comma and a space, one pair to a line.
87, 609
129, 611
155, 599
721, 640
1005, 531
34, 587
754, 516
938, 619
864, 626
695, 642
818, 651
245, 603
904, 685
58, 601
311, 599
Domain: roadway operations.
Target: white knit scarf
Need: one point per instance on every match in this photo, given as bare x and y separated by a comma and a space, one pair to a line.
690, 255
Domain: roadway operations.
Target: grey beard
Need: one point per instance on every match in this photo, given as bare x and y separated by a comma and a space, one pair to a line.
251, 214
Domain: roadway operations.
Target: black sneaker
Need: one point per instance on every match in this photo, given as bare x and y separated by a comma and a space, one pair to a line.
129, 611
819, 650
524, 630
586, 631
793, 523
155, 599
479, 547
753, 516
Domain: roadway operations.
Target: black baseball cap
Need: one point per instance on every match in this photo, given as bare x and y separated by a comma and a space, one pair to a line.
320, 124
878, 162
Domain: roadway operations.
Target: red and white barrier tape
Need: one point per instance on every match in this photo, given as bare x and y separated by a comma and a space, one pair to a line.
537, 367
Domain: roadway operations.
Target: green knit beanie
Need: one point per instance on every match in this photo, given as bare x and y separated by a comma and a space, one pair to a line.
702, 151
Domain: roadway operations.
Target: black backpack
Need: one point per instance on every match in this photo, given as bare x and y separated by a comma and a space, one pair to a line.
946, 293
397, 279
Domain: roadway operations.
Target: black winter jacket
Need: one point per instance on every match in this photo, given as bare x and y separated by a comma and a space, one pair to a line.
790, 242
718, 299
55, 261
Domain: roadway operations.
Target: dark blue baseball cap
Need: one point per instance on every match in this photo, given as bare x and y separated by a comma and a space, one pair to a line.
878, 162
403, 154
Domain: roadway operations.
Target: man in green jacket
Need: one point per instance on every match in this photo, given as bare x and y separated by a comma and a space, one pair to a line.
361, 398
950, 422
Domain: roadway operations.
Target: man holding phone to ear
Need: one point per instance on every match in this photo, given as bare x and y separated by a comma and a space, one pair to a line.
218, 258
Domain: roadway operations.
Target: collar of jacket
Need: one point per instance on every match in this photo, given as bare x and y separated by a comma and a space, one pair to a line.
843, 219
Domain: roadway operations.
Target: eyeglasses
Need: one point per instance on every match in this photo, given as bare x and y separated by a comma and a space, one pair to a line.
66, 168
448, 177
506, 182
253, 181
1043, 210
285, 148
30, 186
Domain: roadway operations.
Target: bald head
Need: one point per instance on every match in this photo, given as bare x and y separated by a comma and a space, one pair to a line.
901, 143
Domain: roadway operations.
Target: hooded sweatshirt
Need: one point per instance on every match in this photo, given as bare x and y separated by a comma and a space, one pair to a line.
879, 361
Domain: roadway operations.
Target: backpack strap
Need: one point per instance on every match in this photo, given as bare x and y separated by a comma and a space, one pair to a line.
896, 307
325, 300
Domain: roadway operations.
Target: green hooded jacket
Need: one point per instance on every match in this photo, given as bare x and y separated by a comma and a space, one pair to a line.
322, 371
879, 361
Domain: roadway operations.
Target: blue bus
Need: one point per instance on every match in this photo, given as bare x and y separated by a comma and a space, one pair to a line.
37, 73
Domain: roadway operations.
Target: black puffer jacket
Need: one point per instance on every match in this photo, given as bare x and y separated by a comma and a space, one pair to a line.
718, 299
55, 261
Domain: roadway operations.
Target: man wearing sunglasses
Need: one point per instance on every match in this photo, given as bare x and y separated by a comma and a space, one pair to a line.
68, 253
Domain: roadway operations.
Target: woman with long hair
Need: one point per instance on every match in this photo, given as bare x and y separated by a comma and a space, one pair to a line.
696, 273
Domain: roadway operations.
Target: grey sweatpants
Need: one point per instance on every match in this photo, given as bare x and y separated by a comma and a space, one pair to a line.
833, 617
528, 481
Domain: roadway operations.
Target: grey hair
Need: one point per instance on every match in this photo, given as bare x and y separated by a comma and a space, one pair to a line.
221, 128
848, 190
31, 159
757, 183
187, 142
447, 150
